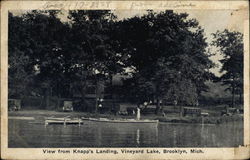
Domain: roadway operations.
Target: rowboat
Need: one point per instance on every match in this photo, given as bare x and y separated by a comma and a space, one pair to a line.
64, 121
106, 120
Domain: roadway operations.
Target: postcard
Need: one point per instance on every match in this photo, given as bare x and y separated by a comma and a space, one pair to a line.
125, 80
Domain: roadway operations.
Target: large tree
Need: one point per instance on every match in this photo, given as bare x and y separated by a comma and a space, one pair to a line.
20, 73
84, 49
169, 51
41, 38
230, 46
164, 52
94, 47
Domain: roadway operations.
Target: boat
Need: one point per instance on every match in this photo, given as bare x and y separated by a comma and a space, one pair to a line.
131, 121
64, 121
106, 120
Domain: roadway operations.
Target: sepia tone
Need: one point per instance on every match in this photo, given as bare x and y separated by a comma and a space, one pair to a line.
137, 81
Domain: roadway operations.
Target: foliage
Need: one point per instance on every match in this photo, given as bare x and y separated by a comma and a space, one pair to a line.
168, 50
230, 45
93, 47
19, 71
164, 53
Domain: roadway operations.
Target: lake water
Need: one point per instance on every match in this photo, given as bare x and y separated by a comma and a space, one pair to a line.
23, 133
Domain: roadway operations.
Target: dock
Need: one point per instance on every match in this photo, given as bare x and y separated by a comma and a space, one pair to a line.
63, 121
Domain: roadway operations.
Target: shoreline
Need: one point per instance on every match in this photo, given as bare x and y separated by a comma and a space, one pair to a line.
170, 118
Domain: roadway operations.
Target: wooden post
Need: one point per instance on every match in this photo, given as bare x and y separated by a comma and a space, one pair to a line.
46, 123
181, 110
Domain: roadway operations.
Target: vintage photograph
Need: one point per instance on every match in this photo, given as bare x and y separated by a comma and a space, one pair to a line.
122, 78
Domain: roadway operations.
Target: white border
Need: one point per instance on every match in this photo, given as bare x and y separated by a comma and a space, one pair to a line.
31, 153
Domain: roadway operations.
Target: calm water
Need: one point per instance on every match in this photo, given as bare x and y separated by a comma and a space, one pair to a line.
22, 133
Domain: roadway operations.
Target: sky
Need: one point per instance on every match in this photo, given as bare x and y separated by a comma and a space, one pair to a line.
219, 20
210, 20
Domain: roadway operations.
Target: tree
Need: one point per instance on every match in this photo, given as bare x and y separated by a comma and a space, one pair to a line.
94, 47
164, 52
20, 73
137, 89
230, 46
37, 36
167, 49
83, 49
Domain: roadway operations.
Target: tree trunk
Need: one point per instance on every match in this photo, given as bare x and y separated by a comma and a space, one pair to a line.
158, 106
58, 101
82, 90
96, 96
111, 86
47, 98
240, 98
233, 94
58, 95
111, 92
83, 94
96, 102
181, 110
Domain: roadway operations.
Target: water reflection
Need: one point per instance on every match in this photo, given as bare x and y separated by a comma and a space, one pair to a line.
138, 137
92, 134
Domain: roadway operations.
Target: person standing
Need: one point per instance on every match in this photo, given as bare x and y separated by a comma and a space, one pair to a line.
138, 113
145, 104
175, 103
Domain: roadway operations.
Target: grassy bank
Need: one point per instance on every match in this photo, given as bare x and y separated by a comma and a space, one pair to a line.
204, 120
170, 118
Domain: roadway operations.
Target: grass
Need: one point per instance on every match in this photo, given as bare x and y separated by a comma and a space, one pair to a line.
204, 120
